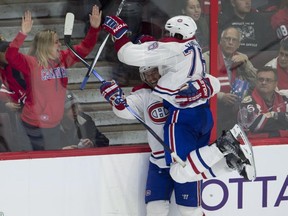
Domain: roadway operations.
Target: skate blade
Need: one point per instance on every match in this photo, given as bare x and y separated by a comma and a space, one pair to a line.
246, 148
250, 172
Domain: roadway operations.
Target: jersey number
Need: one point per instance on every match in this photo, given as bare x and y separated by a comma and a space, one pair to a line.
196, 52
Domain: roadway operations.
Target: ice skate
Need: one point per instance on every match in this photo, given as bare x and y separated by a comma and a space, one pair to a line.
228, 144
244, 169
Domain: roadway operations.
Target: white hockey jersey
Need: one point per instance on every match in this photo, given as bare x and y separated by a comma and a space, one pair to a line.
178, 61
150, 108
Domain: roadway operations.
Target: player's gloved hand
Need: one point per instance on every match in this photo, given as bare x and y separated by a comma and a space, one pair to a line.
115, 26
113, 94
193, 91
144, 38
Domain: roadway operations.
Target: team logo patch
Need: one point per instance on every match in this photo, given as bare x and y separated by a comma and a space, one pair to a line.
148, 193
44, 117
153, 46
157, 113
247, 99
53, 73
250, 108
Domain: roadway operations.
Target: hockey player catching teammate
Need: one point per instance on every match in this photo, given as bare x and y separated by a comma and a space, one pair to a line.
159, 184
188, 127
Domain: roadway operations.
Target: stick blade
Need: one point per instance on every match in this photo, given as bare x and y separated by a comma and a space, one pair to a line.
69, 23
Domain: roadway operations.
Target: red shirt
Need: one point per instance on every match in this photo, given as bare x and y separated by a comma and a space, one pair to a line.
17, 92
280, 18
282, 77
46, 87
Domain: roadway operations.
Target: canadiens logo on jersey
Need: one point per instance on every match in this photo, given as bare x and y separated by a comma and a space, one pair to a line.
153, 46
53, 73
157, 113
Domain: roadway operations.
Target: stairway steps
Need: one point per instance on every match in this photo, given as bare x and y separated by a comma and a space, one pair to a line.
38, 8
88, 96
107, 117
9, 28
127, 137
77, 74
50, 14
120, 128
90, 107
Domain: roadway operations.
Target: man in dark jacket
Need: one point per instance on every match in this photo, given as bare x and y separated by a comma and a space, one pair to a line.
78, 128
264, 112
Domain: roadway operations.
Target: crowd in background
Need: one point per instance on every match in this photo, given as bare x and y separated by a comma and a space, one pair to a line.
251, 99
252, 68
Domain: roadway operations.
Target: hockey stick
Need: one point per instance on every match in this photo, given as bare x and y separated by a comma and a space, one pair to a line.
68, 28
100, 50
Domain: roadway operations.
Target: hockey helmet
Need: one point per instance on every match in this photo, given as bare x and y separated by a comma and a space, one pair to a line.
181, 25
145, 69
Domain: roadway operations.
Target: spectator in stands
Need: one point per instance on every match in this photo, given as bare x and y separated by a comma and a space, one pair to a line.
45, 74
13, 86
78, 130
266, 6
234, 70
264, 112
12, 96
279, 20
280, 63
255, 29
193, 9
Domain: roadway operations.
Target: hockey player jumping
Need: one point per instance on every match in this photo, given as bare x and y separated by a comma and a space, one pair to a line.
188, 127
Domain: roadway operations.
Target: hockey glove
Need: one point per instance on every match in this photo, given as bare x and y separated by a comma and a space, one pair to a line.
193, 91
115, 26
113, 94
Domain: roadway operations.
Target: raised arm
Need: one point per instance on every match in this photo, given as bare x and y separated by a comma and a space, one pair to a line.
27, 22
95, 17
16, 59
